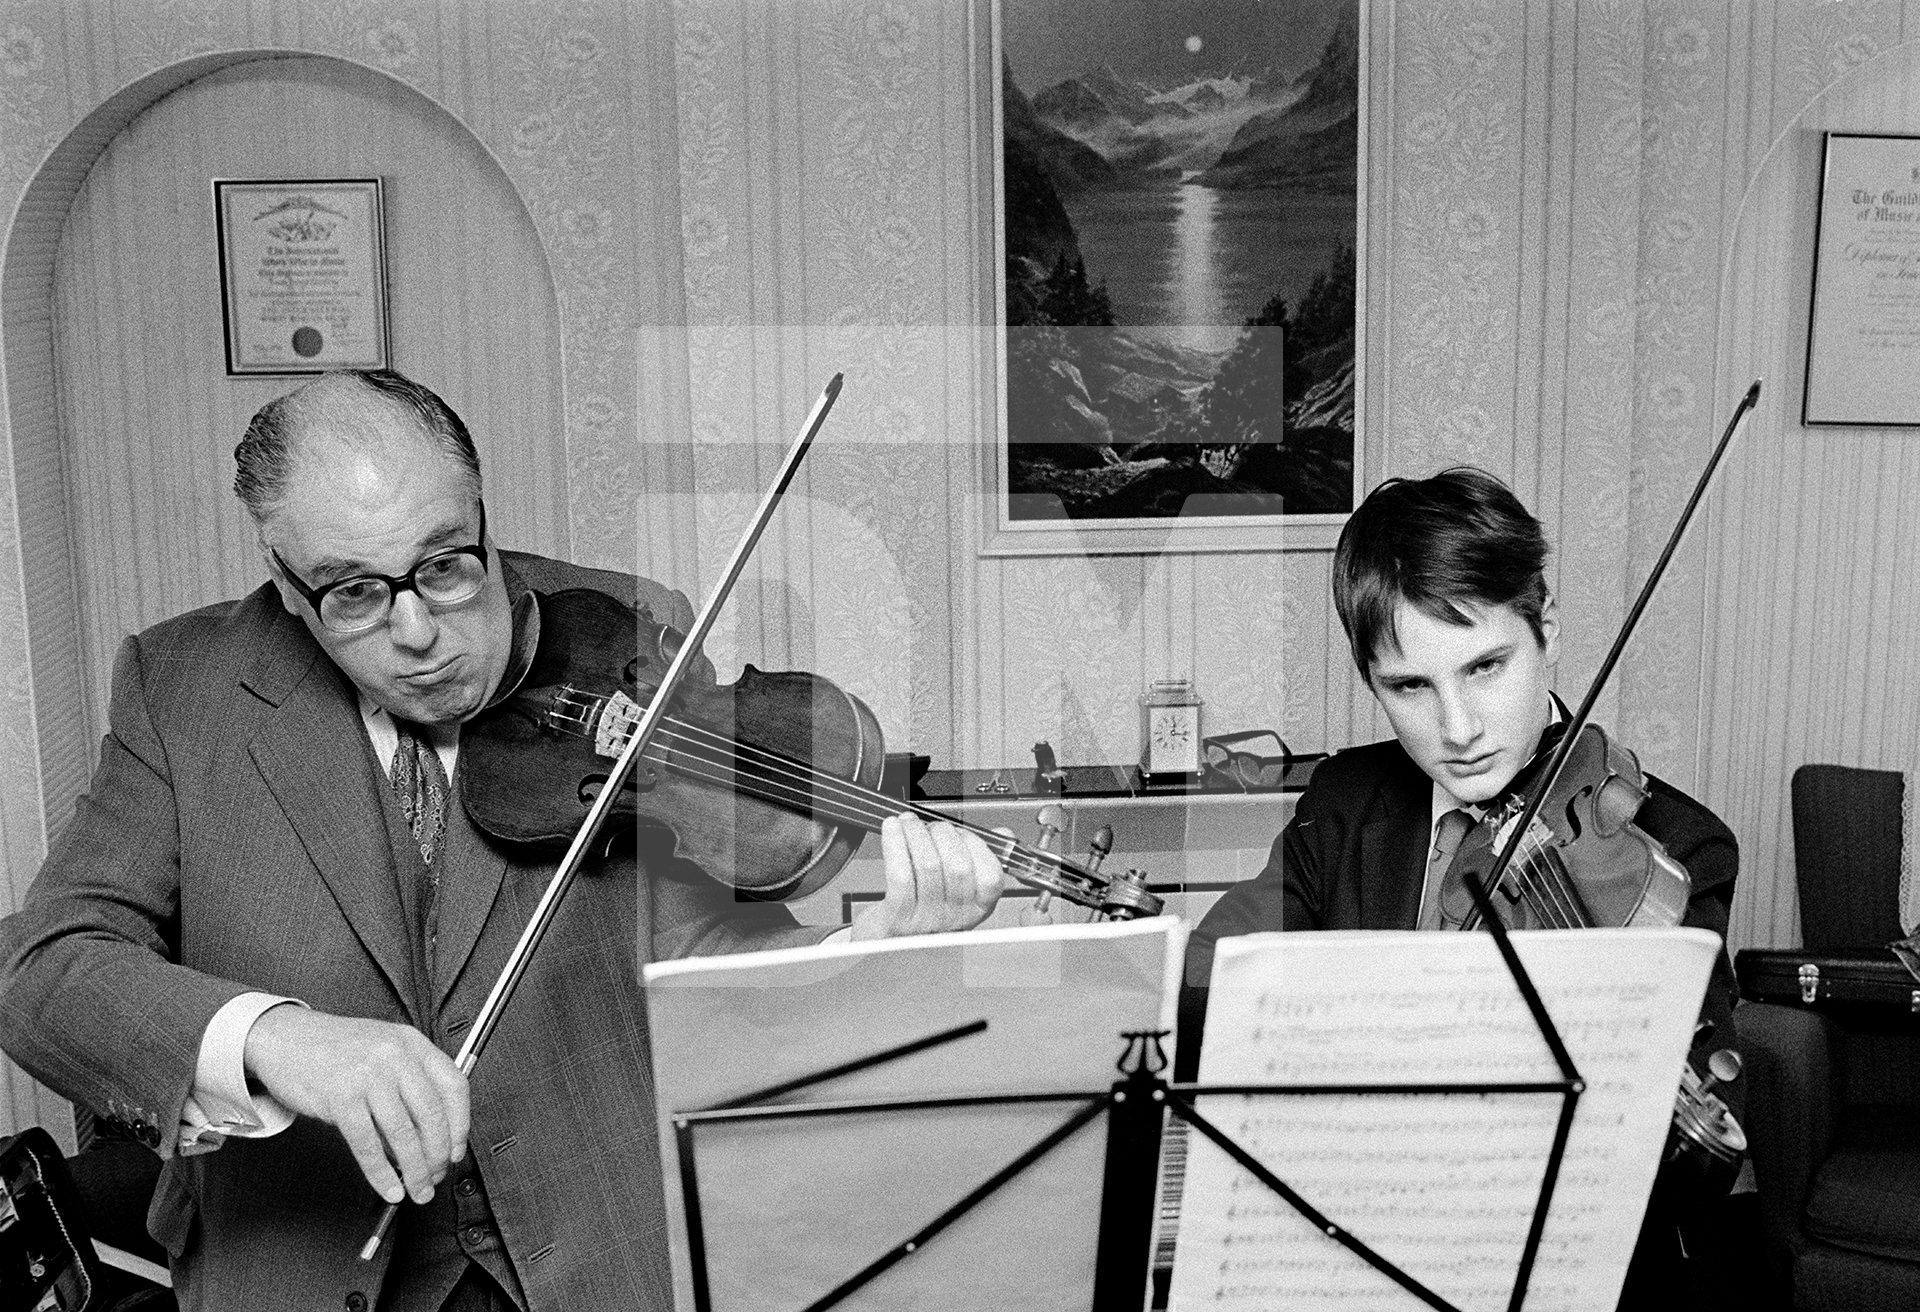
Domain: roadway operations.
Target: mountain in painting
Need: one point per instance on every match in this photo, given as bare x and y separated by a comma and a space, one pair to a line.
1045, 276
1096, 103
1311, 143
1068, 162
1226, 131
1122, 421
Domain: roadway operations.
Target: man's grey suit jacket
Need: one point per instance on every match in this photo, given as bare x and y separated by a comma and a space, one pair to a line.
233, 839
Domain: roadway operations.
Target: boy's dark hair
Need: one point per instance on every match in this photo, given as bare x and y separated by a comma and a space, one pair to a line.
1438, 544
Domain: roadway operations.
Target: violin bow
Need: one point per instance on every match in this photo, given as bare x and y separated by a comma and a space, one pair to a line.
544, 911
1537, 795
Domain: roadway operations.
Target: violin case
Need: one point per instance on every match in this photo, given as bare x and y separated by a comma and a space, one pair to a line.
1867, 988
46, 1260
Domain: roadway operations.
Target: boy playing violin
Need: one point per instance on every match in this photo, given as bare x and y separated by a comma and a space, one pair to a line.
1440, 586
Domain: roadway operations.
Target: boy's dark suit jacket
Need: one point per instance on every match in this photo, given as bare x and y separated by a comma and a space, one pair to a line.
1354, 856
234, 839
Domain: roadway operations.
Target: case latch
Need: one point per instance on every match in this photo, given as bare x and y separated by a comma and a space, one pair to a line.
1809, 983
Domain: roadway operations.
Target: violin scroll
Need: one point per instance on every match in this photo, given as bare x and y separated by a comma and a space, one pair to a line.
1705, 1133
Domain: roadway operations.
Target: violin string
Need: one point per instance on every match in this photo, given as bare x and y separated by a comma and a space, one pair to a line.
785, 781
1543, 887
806, 786
1020, 863
725, 756
1560, 886
791, 783
1543, 884
1538, 892
857, 805
1520, 871
1525, 872
1573, 915
860, 804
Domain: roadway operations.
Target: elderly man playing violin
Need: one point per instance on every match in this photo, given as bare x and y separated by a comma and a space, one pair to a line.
1440, 585
270, 922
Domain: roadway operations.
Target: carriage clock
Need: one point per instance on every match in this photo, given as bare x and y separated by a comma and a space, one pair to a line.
1170, 732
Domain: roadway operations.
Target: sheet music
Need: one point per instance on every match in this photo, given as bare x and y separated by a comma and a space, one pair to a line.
1444, 1187
792, 1208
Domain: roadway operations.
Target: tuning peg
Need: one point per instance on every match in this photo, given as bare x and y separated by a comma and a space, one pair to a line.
1051, 819
1724, 1065
1098, 847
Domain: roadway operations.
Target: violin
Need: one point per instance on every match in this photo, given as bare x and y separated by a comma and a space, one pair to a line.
1582, 862
770, 780
1564, 853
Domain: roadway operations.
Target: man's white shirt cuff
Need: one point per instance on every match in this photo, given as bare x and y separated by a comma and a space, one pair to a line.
220, 1104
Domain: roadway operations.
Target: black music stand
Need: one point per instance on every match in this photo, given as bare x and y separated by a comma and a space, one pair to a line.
1136, 1105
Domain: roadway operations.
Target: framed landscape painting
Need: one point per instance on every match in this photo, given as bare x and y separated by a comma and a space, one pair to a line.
1179, 257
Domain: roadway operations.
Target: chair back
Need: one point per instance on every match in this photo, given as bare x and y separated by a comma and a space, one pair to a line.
1847, 843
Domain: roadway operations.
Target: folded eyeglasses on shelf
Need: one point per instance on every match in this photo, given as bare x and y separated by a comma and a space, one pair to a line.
1249, 759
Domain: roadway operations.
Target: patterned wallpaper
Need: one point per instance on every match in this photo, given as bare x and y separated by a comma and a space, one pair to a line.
1573, 180
828, 166
738, 198
1554, 189
1810, 644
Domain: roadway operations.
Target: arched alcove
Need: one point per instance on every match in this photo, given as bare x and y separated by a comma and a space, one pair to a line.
1813, 609
121, 414
567, 116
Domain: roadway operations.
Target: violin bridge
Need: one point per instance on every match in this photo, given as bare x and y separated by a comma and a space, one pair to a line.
619, 714
1539, 839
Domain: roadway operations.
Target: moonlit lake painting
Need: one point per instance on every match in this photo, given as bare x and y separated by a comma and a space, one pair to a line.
1179, 205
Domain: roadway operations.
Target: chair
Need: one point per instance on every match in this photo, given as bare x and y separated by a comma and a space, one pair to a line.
1833, 1104
1847, 842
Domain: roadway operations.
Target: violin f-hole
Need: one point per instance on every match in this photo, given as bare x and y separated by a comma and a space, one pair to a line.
1574, 826
643, 779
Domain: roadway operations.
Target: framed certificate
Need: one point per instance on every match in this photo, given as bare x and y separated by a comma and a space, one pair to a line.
303, 275
1863, 339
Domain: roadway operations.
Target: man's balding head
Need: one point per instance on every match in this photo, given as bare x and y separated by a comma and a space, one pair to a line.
355, 409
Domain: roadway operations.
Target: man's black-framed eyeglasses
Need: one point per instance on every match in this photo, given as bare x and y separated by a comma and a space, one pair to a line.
446, 578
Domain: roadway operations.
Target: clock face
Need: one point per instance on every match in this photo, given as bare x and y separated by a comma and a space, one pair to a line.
1171, 731
1173, 740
